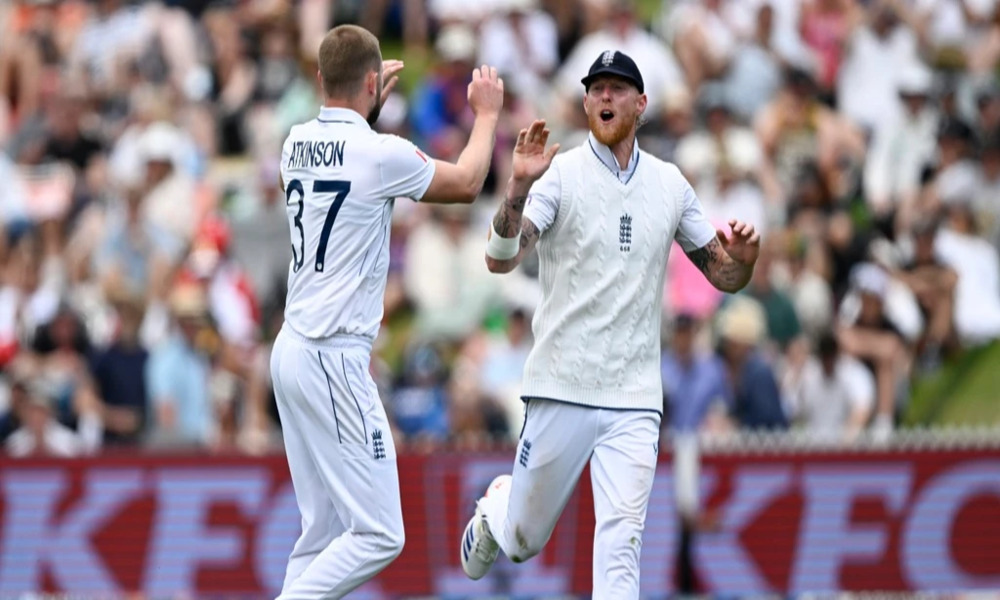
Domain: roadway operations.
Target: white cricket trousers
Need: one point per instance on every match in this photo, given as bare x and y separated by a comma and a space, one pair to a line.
557, 441
342, 462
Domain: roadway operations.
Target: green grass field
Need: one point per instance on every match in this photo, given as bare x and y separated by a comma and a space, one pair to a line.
965, 392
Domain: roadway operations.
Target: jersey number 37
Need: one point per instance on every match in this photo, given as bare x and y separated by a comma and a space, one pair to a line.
338, 187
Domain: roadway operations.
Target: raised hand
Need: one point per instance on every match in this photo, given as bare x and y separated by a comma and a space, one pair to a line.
486, 92
531, 158
389, 78
744, 244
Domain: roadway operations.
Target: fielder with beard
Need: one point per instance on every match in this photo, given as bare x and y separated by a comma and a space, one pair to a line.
603, 218
340, 179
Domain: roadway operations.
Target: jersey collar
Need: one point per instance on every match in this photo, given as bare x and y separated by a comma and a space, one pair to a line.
608, 158
329, 114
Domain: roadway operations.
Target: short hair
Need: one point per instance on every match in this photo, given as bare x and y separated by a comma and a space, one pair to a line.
346, 55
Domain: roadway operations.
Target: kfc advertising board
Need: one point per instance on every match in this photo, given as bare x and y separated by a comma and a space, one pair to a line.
788, 522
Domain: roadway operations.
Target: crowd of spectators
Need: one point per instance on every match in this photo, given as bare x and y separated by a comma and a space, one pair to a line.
144, 241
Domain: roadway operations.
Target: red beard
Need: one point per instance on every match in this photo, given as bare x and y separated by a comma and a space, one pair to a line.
611, 133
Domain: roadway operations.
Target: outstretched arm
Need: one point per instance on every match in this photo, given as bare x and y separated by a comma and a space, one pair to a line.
531, 159
728, 262
462, 181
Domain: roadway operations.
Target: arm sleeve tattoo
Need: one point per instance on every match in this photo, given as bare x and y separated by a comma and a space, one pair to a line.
719, 268
508, 218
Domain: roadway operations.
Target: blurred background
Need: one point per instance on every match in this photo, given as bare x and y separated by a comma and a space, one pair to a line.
144, 242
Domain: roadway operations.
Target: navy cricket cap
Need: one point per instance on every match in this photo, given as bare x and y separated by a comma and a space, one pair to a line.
613, 62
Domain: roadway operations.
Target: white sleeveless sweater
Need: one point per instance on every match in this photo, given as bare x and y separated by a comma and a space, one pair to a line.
602, 264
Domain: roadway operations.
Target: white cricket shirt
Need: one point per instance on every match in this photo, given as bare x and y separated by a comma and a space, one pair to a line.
341, 178
606, 235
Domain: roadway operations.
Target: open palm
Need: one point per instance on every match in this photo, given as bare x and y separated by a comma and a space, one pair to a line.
531, 158
744, 244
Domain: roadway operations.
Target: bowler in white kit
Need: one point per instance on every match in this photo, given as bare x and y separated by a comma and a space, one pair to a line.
340, 179
603, 216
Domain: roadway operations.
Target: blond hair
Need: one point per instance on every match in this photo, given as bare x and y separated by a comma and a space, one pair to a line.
346, 56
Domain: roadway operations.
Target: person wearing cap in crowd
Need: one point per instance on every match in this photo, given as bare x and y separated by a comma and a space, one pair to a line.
168, 192
603, 217
754, 398
177, 372
901, 147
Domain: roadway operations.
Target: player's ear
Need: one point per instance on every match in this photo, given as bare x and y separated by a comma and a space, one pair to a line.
642, 102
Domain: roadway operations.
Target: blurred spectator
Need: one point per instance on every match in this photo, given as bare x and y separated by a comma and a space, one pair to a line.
661, 73
933, 283
721, 162
522, 42
60, 353
826, 26
830, 396
986, 206
260, 239
754, 74
948, 29
135, 255
119, 378
693, 389
903, 144
233, 305
441, 116
878, 45
450, 289
796, 128
503, 366
808, 288
755, 399
169, 198
781, 319
706, 35
40, 433
234, 79
693, 379
954, 177
177, 373
868, 332
977, 293
419, 406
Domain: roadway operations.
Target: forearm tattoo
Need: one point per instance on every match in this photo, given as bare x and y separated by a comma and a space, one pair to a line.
507, 221
719, 268
529, 234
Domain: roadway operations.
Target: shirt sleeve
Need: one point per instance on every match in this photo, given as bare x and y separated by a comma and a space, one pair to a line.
543, 200
694, 231
286, 154
406, 171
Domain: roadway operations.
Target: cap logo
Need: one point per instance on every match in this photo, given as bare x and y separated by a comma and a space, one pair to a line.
608, 57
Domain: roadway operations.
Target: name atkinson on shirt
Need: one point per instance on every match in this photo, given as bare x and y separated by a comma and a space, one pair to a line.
311, 153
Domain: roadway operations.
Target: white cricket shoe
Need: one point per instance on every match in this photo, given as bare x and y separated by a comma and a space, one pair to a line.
479, 547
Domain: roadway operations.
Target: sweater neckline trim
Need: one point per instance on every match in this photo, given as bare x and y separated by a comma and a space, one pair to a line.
610, 170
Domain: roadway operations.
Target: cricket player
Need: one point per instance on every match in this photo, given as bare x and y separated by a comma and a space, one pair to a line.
603, 218
340, 178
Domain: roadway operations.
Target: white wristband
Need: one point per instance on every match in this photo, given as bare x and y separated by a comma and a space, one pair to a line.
502, 248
